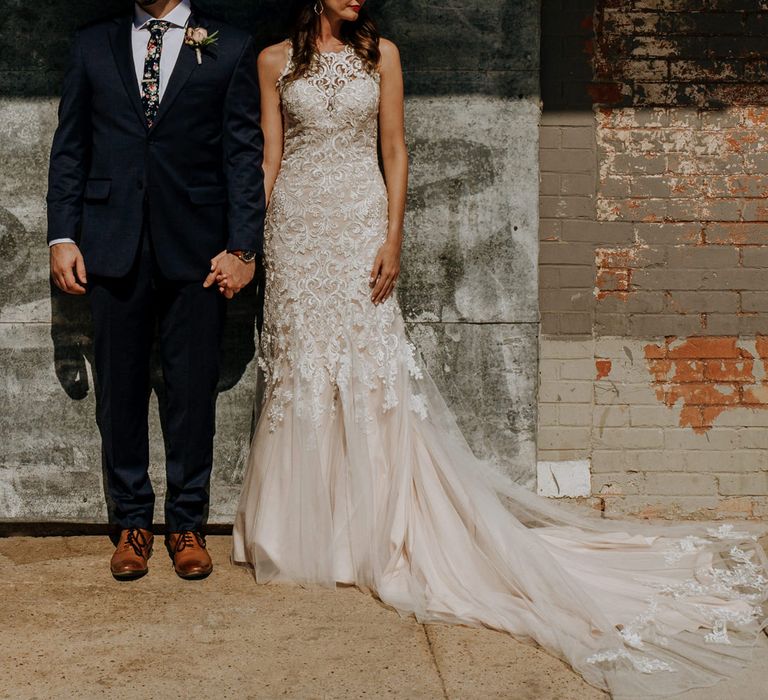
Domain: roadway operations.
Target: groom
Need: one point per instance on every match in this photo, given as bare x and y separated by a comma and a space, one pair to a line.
156, 211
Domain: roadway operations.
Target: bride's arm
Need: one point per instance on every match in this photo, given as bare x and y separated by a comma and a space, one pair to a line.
270, 64
395, 161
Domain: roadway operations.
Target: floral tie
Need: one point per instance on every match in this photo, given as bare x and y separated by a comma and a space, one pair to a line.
150, 84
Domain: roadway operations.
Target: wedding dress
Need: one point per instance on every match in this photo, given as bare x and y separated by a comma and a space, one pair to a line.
358, 473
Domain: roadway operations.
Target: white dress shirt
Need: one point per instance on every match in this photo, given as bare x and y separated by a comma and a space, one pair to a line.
173, 40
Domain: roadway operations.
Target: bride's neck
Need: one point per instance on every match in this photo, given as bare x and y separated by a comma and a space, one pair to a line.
330, 32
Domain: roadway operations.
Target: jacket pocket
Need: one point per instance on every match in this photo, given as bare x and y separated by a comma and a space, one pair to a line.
97, 190
214, 194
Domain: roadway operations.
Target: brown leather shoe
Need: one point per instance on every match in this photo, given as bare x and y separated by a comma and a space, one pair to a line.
190, 556
133, 550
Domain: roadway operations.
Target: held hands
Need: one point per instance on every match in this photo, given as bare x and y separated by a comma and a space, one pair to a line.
68, 268
230, 273
385, 271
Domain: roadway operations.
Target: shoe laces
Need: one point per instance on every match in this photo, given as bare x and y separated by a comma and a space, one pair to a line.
136, 541
189, 538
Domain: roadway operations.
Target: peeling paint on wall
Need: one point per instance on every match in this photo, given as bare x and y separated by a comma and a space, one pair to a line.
603, 368
654, 253
709, 375
683, 53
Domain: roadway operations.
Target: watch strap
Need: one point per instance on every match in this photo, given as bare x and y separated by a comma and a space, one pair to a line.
247, 256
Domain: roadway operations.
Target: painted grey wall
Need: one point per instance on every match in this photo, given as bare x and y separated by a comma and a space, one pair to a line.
468, 289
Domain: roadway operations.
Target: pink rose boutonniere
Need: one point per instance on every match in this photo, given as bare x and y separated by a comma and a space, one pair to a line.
197, 38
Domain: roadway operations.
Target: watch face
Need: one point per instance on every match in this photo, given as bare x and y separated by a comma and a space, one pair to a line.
244, 255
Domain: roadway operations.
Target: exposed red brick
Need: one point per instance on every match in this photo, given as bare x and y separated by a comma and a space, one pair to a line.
756, 396
690, 371
743, 507
729, 370
603, 368
735, 234
677, 174
708, 375
657, 352
614, 283
616, 257
736, 141
761, 345
706, 347
703, 394
614, 266
757, 116
659, 368
605, 93
673, 171
666, 57
742, 185
755, 210
693, 417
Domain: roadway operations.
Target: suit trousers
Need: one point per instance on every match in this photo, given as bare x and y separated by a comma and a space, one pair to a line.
129, 314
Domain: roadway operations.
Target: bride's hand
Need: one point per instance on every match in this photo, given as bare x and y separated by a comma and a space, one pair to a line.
385, 271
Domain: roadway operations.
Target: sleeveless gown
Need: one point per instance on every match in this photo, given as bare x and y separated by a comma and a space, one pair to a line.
358, 473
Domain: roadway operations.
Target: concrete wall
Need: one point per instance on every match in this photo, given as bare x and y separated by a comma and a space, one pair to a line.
654, 288
468, 288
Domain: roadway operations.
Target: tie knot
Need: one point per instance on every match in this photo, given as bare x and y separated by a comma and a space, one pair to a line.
158, 27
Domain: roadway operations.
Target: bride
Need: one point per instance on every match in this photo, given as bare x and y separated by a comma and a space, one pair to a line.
357, 472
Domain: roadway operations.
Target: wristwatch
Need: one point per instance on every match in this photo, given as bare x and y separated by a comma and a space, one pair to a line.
247, 256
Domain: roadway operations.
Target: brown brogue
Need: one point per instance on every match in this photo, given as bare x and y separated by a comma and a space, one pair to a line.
190, 556
133, 550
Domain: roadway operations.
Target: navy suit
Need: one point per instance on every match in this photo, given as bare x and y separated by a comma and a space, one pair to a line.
149, 208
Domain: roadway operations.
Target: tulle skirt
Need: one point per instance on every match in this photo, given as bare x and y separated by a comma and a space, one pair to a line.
382, 491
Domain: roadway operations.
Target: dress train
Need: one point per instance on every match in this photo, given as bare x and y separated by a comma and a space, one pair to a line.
358, 473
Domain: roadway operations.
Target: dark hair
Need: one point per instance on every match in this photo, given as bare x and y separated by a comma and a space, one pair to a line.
361, 35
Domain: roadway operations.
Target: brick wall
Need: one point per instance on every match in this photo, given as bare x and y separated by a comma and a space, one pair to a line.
654, 253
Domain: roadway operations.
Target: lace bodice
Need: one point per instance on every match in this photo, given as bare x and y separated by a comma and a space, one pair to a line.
326, 221
334, 109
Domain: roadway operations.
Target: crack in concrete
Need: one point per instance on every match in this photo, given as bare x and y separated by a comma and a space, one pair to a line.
434, 661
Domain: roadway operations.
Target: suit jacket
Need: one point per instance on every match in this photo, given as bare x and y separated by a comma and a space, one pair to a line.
196, 174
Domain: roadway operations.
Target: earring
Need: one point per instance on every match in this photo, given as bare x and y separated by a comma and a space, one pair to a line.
319, 4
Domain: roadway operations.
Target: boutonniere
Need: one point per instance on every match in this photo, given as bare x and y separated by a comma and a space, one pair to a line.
197, 38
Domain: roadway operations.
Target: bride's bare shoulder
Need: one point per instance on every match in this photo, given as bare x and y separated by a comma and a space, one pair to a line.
390, 55
273, 58
387, 47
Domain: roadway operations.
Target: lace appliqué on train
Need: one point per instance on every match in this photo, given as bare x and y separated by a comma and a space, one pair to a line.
738, 578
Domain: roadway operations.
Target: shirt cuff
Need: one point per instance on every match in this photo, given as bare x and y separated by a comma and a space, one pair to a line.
60, 240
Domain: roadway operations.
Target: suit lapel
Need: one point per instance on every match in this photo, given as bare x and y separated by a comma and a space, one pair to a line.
120, 40
185, 66
183, 70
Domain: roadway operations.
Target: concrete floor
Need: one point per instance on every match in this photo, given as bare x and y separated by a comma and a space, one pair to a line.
71, 631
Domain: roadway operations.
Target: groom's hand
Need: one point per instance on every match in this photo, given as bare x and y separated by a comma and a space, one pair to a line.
68, 268
230, 273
